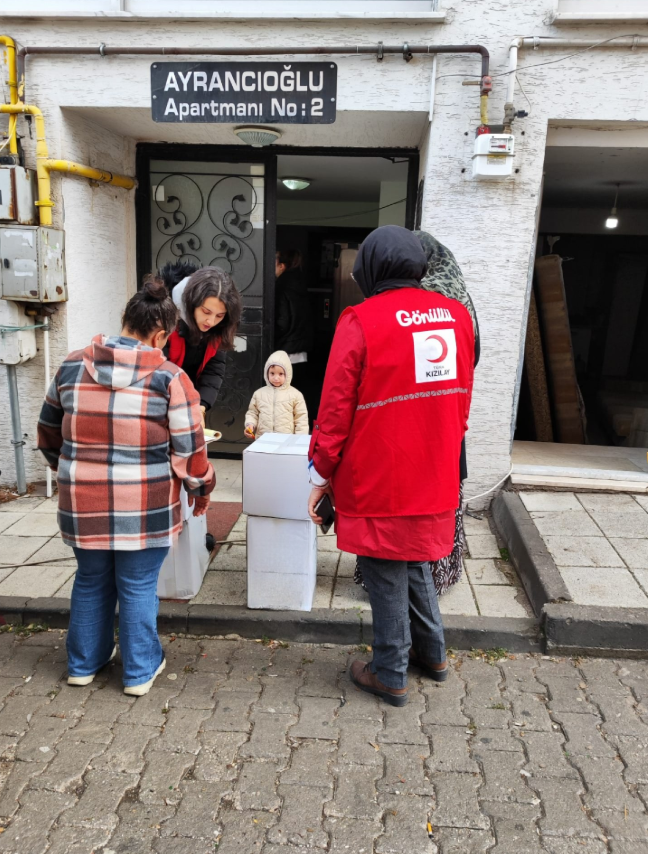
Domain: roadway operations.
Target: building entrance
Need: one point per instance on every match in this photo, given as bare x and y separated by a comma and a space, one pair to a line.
583, 413
238, 209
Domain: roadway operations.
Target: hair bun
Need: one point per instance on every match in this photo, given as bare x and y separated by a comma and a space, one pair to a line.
154, 289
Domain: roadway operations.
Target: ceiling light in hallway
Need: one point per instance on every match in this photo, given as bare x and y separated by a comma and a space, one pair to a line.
612, 221
296, 183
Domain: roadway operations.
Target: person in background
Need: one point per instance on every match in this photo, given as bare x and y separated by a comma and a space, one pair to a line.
121, 427
210, 312
293, 318
386, 446
174, 272
444, 276
277, 407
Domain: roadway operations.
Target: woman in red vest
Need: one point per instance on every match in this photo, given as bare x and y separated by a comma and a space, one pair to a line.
386, 444
210, 311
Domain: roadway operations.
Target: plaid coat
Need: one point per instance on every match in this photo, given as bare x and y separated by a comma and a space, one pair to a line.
122, 427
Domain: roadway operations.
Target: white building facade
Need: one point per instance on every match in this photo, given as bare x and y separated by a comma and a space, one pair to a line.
97, 111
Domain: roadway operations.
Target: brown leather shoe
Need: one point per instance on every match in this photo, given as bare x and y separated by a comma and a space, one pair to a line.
436, 672
365, 680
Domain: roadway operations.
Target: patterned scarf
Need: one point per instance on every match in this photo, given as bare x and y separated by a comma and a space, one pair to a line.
444, 275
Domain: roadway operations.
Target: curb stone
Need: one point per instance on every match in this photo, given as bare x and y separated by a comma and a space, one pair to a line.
539, 574
592, 630
317, 626
568, 628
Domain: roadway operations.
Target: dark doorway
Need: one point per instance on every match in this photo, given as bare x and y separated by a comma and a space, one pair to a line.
585, 370
346, 198
229, 207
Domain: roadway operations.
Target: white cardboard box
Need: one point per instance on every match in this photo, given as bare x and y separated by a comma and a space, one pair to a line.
275, 476
281, 563
181, 575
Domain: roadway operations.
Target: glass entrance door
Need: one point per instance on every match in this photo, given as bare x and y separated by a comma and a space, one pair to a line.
212, 214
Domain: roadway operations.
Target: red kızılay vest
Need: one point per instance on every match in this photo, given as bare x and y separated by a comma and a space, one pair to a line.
402, 454
178, 348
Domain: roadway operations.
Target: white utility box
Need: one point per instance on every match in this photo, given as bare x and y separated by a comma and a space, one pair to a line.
18, 195
31, 264
16, 347
184, 568
275, 476
281, 563
493, 155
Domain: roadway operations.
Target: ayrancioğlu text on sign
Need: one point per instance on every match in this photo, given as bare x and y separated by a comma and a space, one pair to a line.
227, 91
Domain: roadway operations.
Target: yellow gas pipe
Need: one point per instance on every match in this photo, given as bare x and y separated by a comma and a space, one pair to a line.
44, 202
10, 45
483, 109
44, 164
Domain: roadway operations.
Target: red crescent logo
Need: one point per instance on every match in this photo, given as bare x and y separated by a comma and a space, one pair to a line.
444, 347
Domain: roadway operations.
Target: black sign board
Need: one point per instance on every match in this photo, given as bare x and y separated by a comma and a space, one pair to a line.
244, 92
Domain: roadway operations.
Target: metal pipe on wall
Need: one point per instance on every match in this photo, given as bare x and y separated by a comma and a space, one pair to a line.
287, 50
10, 46
45, 164
44, 202
46, 358
540, 41
433, 75
513, 61
16, 429
405, 50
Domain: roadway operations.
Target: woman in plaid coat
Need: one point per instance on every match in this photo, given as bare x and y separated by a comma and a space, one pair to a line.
121, 426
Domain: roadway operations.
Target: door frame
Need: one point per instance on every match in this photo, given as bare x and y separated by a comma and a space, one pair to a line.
147, 151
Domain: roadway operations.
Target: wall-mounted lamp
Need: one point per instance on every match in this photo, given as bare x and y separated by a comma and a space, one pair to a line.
257, 137
612, 221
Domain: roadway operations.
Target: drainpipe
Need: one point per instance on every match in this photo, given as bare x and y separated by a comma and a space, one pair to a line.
405, 50
46, 358
16, 429
14, 407
540, 41
432, 87
10, 45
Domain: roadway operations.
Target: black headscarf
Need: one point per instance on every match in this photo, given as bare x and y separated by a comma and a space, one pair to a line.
391, 257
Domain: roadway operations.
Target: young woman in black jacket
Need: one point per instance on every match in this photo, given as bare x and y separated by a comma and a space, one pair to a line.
210, 310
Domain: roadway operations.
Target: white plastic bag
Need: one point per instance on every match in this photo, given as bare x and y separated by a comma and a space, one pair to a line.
182, 572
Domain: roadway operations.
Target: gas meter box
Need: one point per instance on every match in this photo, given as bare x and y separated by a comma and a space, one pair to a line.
493, 156
17, 342
31, 264
18, 195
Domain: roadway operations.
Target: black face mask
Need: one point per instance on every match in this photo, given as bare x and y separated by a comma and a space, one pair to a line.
391, 257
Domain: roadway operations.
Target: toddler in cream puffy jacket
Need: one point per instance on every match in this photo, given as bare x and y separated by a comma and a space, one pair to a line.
277, 407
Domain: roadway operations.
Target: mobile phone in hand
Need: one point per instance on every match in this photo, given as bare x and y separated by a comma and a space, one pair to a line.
324, 509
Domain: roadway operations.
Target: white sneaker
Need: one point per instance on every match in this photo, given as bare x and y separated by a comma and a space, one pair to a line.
86, 680
145, 687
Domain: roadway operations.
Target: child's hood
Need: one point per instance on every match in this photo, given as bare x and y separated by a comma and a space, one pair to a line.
280, 357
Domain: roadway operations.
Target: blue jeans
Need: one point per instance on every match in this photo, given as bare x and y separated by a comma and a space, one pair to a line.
405, 613
104, 577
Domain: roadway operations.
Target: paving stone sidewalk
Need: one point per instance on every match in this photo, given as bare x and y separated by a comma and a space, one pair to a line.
246, 748
36, 563
598, 541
